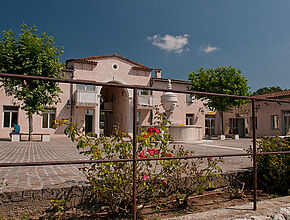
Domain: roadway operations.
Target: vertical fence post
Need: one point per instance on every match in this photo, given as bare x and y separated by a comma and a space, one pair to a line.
135, 103
255, 176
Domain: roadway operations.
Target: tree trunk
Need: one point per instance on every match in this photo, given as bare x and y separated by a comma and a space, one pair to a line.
30, 128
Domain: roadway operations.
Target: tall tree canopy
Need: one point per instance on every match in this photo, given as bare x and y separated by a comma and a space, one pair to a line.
226, 80
265, 90
30, 53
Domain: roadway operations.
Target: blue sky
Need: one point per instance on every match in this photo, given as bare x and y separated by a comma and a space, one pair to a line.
176, 36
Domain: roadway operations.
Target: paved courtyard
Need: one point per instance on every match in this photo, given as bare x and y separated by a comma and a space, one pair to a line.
60, 149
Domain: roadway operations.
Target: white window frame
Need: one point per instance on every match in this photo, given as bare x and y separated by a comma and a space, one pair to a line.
49, 113
189, 119
273, 117
85, 87
10, 116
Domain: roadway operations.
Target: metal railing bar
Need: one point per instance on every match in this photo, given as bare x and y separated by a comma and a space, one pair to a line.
255, 174
131, 160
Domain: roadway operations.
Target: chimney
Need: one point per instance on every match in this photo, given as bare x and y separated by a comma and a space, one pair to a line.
157, 73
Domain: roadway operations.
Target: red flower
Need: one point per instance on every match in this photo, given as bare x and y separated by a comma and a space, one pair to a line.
150, 130
209, 158
156, 130
152, 151
142, 154
168, 154
153, 130
145, 177
146, 135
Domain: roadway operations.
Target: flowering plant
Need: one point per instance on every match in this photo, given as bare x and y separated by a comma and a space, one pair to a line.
112, 182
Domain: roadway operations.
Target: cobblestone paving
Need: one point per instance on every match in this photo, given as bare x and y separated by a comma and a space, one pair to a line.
60, 149
38, 177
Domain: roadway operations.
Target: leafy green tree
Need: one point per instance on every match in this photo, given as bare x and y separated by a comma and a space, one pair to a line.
224, 80
266, 90
31, 54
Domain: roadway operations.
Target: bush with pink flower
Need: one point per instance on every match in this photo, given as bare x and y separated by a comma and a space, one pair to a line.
112, 182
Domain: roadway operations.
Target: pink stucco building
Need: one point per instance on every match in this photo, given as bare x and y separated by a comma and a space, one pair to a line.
271, 117
99, 109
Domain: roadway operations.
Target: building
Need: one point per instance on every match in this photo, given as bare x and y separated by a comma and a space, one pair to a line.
271, 117
99, 109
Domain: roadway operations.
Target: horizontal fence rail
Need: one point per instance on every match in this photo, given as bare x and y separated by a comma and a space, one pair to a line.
68, 162
134, 159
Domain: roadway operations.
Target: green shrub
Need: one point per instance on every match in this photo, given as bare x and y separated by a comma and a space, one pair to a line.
112, 182
273, 170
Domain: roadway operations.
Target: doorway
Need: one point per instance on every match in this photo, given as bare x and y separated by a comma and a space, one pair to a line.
89, 119
241, 127
209, 124
114, 107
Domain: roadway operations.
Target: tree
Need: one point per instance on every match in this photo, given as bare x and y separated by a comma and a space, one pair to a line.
224, 80
265, 90
31, 54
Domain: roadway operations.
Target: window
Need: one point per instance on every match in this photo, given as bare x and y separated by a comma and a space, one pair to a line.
115, 66
48, 119
189, 119
85, 87
275, 121
189, 98
142, 92
209, 124
251, 123
233, 126
10, 116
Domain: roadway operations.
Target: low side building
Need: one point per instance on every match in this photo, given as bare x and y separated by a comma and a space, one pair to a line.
271, 117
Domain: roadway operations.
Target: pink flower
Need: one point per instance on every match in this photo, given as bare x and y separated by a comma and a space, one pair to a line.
164, 180
145, 177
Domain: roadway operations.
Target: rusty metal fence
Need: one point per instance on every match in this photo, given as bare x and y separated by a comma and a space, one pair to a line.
135, 159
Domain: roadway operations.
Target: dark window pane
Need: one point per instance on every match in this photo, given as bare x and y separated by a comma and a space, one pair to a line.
45, 120
14, 118
51, 120
6, 123
7, 108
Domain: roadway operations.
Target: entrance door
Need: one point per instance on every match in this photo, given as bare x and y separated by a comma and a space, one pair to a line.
89, 116
210, 124
241, 127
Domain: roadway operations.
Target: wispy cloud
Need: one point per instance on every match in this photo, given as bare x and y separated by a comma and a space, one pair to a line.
170, 43
208, 48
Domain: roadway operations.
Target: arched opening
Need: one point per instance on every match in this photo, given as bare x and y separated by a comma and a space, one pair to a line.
113, 109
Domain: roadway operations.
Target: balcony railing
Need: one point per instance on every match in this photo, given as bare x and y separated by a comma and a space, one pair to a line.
145, 101
85, 98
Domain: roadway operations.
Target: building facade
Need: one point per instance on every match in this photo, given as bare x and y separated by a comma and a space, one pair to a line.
100, 109
271, 117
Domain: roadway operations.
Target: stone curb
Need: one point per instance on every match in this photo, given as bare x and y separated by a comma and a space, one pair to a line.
273, 209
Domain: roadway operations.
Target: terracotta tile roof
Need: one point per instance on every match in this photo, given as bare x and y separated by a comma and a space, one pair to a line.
86, 62
109, 56
141, 68
274, 94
